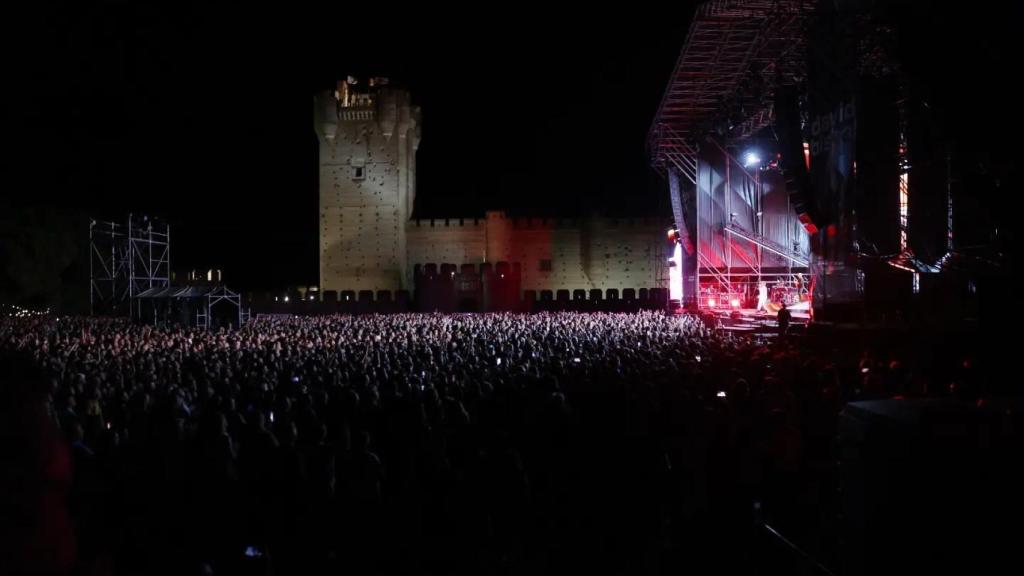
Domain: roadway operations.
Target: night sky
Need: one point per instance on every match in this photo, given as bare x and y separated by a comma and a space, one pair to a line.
203, 114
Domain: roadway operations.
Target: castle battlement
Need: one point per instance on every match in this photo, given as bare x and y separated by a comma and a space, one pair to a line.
448, 222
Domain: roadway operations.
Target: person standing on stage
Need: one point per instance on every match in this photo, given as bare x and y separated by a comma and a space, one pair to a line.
762, 297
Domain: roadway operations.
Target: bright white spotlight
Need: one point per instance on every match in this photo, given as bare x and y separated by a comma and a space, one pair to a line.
751, 159
675, 274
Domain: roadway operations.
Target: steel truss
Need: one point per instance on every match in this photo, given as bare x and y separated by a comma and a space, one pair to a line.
736, 53
126, 260
221, 294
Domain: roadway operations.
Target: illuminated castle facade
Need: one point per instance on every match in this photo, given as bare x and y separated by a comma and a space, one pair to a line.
369, 239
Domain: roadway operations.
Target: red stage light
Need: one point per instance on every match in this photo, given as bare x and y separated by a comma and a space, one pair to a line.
711, 302
735, 302
809, 225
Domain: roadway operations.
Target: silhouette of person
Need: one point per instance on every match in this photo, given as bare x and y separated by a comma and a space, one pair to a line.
784, 317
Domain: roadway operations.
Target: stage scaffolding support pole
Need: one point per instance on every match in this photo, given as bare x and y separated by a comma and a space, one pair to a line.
789, 235
949, 201
92, 274
131, 264
759, 215
116, 270
728, 220
696, 234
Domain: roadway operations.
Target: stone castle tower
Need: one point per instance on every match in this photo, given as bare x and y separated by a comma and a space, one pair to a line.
368, 135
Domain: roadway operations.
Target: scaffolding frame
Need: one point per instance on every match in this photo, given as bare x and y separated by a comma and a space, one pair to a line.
733, 277
735, 54
126, 260
221, 294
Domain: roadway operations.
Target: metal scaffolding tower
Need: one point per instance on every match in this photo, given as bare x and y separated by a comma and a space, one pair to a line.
126, 260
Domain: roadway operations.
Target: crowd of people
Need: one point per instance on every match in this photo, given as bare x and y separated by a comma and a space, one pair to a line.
420, 443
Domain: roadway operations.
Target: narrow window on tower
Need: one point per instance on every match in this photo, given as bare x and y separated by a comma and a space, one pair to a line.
358, 169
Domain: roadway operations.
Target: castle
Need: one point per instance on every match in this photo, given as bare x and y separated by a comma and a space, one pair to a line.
368, 135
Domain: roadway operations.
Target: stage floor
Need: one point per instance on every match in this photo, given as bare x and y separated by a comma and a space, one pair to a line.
753, 321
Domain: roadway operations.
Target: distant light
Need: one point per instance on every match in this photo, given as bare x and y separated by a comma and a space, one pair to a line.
502, 275
285, 298
721, 394
751, 159
712, 302
697, 358
735, 302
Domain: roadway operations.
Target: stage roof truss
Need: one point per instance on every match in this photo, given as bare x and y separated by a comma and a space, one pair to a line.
734, 55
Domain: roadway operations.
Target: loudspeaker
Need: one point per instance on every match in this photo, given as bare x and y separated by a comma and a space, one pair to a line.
792, 162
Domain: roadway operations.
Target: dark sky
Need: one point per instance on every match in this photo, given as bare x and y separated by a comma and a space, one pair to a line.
202, 112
